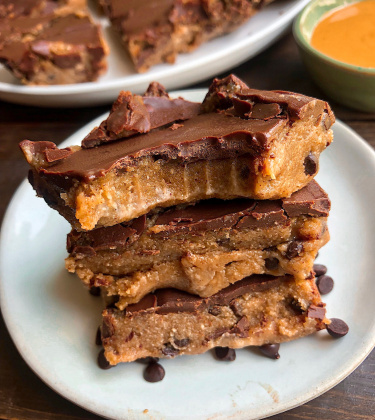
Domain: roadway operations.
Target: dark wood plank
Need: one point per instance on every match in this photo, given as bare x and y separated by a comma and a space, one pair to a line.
23, 396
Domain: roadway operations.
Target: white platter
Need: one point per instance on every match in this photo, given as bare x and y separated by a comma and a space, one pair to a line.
211, 59
53, 319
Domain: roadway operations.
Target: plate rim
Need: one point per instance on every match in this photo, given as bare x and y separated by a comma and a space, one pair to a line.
68, 393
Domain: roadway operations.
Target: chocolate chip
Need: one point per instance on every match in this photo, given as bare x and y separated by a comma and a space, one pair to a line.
245, 172
337, 328
319, 269
311, 164
270, 350
225, 354
293, 250
102, 361
271, 263
215, 310
317, 312
147, 360
296, 306
98, 337
181, 343
95, 291
154, 372
241, 328
170, 351
324, 284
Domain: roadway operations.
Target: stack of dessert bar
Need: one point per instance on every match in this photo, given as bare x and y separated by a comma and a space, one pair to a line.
199, 222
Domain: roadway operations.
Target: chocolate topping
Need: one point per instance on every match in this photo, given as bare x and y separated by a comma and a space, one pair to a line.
165, 301
133, 114
204, 216
213, 135
121, 235
311, 200
252, 103
207, 137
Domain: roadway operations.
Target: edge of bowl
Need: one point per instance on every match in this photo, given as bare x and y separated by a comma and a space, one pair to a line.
303, 42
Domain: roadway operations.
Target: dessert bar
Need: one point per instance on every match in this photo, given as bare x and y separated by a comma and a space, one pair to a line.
156, 31
255, 311
51, 42
245, 143
14, 8
203, 248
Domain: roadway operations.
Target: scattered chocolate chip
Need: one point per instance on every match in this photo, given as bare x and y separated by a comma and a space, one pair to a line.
102, 361
170, 351
337, 328
317, 255
311, 164
182, 343
95, 291
271, 263
293, 250
154, 372
324, 284
98, 338
225, 354
270, 350
147, 360
319, 269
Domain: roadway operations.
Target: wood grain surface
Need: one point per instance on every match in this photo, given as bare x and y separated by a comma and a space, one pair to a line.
23, 395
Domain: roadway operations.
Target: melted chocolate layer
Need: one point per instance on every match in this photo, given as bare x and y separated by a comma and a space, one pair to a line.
207, 136
237, 120
165, 301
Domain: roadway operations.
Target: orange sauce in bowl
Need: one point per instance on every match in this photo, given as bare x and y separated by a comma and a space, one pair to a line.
348, 34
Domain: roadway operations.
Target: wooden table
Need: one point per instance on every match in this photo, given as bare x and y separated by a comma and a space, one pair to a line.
22, 394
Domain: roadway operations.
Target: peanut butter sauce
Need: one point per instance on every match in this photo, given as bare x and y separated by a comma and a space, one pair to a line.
347, 34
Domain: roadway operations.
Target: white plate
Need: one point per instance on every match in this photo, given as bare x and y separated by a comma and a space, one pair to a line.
53, 319
210, 59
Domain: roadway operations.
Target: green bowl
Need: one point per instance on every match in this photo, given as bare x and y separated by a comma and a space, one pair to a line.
350, 85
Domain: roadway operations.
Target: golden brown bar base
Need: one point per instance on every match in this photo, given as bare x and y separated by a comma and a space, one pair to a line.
283, 312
